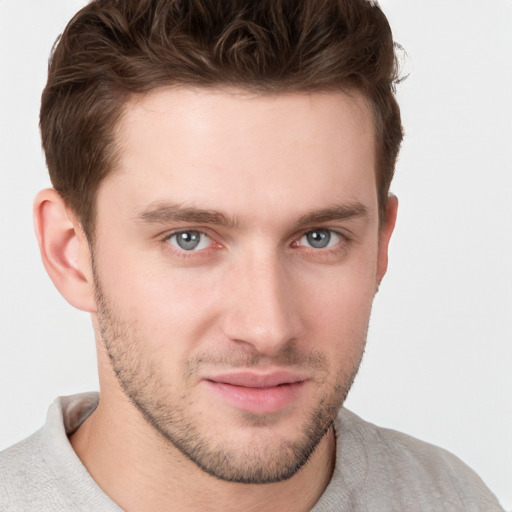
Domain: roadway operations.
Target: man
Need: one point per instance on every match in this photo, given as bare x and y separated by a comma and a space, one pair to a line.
221, 207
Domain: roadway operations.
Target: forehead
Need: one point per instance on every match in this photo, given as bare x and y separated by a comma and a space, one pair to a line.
214, 113
214, 146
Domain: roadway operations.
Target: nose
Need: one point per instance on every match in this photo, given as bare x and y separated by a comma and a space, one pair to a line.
263, 310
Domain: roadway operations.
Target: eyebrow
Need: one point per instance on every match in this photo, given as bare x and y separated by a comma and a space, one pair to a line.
163, 213
333, 213
167, 213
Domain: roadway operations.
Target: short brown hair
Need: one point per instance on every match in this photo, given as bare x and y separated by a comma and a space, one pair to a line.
114, 49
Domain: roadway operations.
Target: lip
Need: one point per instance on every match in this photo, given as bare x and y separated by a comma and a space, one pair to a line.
257, 393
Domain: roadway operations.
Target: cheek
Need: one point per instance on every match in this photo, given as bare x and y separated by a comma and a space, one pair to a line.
168, 308
339, 304
344, 317
348, 288
172, 309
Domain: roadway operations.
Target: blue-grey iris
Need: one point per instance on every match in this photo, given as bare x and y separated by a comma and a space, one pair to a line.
188, 240
319, 238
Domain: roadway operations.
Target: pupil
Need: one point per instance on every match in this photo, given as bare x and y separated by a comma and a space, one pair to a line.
319, 238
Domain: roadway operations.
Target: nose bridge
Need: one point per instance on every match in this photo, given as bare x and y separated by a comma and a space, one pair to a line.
263, 310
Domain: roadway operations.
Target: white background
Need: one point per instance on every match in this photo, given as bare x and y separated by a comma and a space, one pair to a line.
438, 362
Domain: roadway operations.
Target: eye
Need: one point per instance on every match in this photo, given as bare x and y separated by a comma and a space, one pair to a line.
320, 238
189, 240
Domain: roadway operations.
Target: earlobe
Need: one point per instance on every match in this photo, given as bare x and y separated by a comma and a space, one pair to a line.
64, 250
386, 231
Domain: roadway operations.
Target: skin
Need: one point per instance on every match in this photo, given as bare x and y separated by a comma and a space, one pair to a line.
260, 180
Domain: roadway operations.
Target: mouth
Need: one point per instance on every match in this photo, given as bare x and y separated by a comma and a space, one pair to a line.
257, 393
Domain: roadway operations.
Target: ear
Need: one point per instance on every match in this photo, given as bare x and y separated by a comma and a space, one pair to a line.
386, 230
64, 250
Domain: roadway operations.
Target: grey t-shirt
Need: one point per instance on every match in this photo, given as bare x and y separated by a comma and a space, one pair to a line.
377, 470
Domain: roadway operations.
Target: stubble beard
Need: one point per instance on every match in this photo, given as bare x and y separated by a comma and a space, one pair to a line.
168, 414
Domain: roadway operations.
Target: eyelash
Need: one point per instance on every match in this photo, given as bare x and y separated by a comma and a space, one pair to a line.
183, 253
325, 254
339, 246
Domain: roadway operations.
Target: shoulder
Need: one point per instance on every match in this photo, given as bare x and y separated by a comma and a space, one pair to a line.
399, 451
23, 469
382, 469
43, 473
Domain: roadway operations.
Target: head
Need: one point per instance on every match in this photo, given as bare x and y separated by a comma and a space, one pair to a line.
222, 173
112, 52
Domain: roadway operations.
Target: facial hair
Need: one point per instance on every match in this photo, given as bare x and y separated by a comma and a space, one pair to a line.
168, 410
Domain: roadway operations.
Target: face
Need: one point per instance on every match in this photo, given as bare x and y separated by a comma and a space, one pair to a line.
236, 259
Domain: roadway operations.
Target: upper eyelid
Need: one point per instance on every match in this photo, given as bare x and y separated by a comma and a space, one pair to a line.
344, 233
178, 231
184, 253
303, 231
168, 234
332, 231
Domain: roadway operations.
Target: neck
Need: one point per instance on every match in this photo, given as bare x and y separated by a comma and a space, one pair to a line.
141, 471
